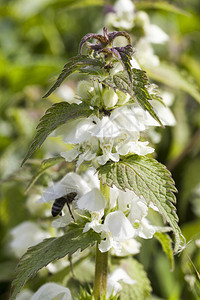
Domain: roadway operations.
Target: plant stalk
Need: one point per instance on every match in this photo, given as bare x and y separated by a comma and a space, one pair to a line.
101, 262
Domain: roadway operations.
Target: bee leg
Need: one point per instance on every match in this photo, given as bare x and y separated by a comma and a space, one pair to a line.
70, 211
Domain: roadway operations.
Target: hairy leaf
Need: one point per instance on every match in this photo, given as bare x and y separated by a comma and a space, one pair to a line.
166, 244
49, 250
138, 92
74, 64
147, 177
141, 289
46, 164
56, 115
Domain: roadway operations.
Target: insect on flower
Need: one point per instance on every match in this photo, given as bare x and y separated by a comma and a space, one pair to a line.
60, 202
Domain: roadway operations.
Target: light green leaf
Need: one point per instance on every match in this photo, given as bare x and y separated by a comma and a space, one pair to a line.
74, 64
138, 92
142, 288
166, 244
160, 5
46, 164
49, 250
174, 78
58, 114
147, 177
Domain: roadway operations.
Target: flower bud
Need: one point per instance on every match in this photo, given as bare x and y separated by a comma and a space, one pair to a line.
84, 89
110, 98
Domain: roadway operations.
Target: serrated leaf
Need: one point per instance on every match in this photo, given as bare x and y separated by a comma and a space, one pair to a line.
142, 288
166, 244
138, 92
149, 178
49, 250
46, 164
74, 64
174, 78
58, 114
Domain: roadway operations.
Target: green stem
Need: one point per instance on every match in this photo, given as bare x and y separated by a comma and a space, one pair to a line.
101, 263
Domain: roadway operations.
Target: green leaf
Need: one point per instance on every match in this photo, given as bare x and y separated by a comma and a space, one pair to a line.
166, 244
142, 288
74, 64
142, 5
174, 78
58, 114
49, 250
46, 164
147, 177
138, 92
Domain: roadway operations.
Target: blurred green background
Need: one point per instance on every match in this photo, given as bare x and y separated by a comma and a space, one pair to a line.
36, 39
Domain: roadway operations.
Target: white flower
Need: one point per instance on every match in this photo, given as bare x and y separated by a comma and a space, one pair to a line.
129, 247
50, 291
136, 147
113, 285
106, 146
116, 228
25, 235
127, 119
92, 201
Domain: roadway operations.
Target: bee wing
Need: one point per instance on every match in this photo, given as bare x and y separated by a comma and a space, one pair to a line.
71, 182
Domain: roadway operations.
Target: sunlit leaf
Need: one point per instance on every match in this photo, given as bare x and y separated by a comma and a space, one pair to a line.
174, 78
147, 177
162, 5
166, 244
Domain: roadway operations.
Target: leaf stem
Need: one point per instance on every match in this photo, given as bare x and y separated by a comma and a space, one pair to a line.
101, 263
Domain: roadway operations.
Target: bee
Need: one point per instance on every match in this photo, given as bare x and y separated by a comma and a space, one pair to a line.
60, 202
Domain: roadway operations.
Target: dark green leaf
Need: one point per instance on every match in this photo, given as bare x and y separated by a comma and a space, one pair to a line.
166, 244
46, 164
147, 177
55, 116
74, 64
49, 250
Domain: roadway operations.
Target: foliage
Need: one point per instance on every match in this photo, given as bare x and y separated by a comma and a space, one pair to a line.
36, 41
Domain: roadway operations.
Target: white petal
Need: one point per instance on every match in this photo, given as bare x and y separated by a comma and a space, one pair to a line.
77, 131
154, 34
120, 275
129, 247
62, 221
25, 235
119, 226
71, 154
92, 201
71, 182
52, 290
128, 119
105, 128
